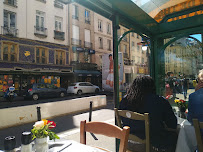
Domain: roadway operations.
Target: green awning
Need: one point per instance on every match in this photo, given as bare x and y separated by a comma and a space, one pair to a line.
86, 73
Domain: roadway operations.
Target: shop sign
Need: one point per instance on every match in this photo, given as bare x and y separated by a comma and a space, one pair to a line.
91, 51
74, 49
27, 53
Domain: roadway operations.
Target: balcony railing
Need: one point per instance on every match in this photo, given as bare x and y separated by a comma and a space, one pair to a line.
58, 4
59, 35
83, 66
9, 31
40, 31
125, 55
88, 44
43, 1
75, 17
129, 62
11, 2
87, 21
76, 42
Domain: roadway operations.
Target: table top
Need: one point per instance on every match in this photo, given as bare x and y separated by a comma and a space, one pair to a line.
71, 146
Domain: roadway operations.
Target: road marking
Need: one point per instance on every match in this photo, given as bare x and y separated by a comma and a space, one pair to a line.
68, 133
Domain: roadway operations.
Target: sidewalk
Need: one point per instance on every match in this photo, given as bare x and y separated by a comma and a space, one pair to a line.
68, 128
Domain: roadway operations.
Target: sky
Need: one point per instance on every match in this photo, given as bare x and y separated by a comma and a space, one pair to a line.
197, 36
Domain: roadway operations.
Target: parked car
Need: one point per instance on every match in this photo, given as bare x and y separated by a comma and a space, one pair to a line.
35, 91
82, 87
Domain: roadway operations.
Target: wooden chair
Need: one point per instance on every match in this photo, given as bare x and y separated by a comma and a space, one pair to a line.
198, 126
135, 116
107, 130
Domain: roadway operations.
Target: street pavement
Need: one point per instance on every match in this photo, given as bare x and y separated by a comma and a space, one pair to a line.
68, 127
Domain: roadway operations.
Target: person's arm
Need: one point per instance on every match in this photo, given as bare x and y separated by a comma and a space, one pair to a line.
169, 116
190, 110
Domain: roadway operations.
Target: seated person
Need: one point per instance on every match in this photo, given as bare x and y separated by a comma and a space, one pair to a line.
142, 98
195, 103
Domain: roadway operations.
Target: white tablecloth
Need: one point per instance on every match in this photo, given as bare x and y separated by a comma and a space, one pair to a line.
73, 147
186, 137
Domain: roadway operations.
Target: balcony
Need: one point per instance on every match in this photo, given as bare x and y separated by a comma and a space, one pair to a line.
88, 44
43, 1
75, 17
83, 66
11, 2
9, 31
75, 42
125, 55
129, 62
87, 21
40, 31
59, 35
58, 4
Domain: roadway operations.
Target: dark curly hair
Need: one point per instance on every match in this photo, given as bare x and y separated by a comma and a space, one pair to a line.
141, 86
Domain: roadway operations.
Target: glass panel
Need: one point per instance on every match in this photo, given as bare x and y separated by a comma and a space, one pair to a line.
5, 18
5, 48
37, 52
158, 9
182, 61
43, 60
37, 21
42, 22
5, 57
12, 57
12, 50
37, 59
12, 20
56, 25
60, 27
43, 52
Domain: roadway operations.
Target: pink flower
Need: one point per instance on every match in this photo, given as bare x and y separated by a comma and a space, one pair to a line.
39, 124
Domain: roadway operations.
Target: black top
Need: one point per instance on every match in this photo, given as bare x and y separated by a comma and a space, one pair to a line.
160, 113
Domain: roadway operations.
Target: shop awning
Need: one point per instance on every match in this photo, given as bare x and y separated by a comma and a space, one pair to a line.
87, 73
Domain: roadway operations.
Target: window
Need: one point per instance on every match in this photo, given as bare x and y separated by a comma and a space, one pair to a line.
40, 19
125, 48
138, 36
9, 52
100, 43
109, 44
108, 28
133, 44
132, 34
9, 19
87, 16
58, 24
41, 55
100, 28
75, 12
138, 48
88, 44
142, 60
60, 57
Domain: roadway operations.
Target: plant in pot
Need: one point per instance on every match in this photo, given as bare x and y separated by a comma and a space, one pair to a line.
41, 131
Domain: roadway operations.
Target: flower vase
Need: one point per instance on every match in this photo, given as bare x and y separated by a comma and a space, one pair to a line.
41, 144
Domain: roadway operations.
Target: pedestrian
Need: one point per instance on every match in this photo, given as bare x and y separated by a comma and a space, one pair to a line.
141, 97
195, 103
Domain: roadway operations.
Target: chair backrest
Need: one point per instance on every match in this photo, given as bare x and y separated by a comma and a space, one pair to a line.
106, 130
135, 116
198, 126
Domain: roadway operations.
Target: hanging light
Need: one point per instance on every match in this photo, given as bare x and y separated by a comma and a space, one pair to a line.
144, 48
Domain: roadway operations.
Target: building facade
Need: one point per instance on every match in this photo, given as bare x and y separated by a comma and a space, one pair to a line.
33, 44
82, 44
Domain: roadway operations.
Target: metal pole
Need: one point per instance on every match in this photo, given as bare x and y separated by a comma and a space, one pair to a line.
39, 113
115, 59
90, 112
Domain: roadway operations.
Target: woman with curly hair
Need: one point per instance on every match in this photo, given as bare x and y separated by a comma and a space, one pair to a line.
142, 98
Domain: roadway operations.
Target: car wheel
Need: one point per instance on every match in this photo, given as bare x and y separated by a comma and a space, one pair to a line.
97, 90
62, 94
35, 97
79, 92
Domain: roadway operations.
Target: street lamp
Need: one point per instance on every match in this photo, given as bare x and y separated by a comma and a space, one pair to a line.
144, 48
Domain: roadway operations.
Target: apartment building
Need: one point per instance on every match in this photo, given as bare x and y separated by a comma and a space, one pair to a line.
103, 35
82, 42
33, 43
